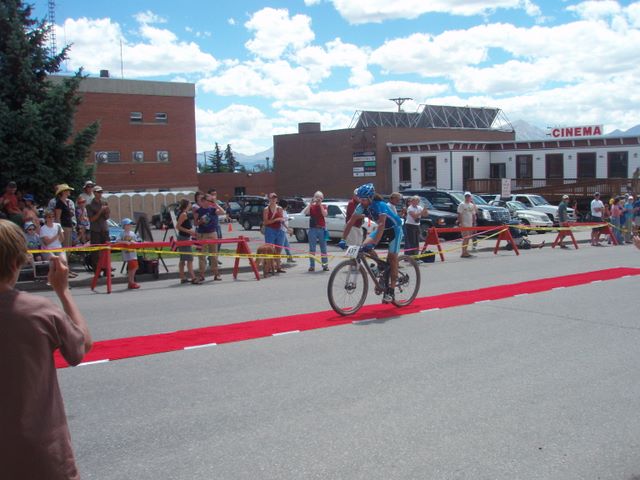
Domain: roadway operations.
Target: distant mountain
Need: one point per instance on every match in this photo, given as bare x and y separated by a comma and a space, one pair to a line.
632, 131
526, 131
248, 161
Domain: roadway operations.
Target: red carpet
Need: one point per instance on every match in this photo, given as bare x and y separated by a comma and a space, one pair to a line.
166, 342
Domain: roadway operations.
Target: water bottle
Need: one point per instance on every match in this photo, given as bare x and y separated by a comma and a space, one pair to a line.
374, 269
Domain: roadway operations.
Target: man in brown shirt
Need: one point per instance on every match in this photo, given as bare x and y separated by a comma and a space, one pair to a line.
34, 436
98, 212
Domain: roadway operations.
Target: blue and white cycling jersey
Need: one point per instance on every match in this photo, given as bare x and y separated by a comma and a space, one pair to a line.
377, 208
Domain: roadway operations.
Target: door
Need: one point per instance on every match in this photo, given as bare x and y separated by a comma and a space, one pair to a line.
429, 172
467, 170
554, 165
335, 221
587, 165
524, 170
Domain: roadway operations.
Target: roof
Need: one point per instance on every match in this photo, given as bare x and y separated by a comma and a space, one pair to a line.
436, 116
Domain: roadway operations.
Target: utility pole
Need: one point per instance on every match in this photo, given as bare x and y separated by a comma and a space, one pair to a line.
53, 48
399, 101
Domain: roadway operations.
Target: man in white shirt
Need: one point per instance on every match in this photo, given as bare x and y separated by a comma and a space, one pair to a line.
467, 217
597, 212
412, 225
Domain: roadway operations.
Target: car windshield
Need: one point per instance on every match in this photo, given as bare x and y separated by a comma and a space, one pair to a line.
517, 205
426, 204
112, 223
478, 200
458, 196
537, 200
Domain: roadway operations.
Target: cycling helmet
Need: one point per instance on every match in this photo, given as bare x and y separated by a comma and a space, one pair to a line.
365, 191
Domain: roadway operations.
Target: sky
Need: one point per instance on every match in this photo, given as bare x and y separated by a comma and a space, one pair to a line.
261, 67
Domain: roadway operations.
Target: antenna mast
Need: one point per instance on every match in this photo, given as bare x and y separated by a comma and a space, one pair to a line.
53, 48
399, 102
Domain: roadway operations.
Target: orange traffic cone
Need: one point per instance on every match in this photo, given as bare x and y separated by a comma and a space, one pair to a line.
230, 228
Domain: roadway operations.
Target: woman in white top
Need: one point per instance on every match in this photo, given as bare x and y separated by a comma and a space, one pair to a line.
415, 211
52, 234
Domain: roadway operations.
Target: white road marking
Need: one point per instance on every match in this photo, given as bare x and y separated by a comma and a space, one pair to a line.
285, 333
368, 320
93, 363
200, 346
430, 310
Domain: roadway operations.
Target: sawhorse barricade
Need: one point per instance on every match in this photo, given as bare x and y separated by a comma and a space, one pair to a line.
605, 229
564, 231
242, 250
433, 239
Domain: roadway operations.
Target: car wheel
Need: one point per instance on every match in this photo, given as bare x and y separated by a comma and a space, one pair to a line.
301, 235
246, 225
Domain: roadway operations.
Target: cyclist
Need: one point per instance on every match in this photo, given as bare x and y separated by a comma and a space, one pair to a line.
373, 206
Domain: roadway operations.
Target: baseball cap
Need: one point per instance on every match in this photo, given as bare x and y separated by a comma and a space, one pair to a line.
565, 196
467, 193
28, 197
89, 183
126, 221
97, 188
29, 225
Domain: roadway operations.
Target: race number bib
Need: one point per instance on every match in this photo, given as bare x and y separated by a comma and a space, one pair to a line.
352, 251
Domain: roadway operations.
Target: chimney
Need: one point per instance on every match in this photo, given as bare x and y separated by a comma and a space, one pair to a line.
104, 73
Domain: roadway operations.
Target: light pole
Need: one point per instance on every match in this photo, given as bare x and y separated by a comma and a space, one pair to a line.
267, 159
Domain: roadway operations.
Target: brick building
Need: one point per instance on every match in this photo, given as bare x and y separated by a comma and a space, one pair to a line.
147, 138
336, 161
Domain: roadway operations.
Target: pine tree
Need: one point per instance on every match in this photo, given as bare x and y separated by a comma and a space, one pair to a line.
216, 159
230, 159
36, 114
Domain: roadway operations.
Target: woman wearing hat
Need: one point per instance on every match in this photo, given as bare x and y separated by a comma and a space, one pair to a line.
64, 213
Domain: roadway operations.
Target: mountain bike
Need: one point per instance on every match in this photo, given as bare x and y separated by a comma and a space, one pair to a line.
349, 282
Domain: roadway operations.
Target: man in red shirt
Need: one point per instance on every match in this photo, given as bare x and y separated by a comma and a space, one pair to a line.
34, 439
355, 234
9, 204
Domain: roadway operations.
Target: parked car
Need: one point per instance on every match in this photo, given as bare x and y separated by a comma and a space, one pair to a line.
233, 210
335, 220
540, 204
526, 215
435, 218
448, 200
115, 230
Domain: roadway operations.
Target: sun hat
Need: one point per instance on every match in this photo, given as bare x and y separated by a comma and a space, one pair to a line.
63, 187
467, 193
565, 196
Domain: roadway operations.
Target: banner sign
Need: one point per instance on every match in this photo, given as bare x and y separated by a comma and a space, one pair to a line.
573, 132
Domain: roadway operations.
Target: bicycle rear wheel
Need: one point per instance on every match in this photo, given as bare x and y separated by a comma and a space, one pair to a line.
348, 287
408, 282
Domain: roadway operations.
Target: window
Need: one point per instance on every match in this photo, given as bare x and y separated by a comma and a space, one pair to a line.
498, 170
137, 156
161, 117
587, 165
524, 166
467, 167
333, 211
135, 117
429, 171
405, 169
162, 156
555, 165
618, 164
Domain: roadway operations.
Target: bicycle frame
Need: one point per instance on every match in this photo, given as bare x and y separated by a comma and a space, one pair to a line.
380, 281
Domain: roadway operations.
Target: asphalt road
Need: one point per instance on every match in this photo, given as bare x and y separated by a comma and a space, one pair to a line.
542, 386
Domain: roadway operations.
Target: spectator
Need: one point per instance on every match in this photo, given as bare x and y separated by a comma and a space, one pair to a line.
597, 213
131, 257
355, 234
636, 214
467, 215
627, 225
185, 232
317, 230
29, 212
98, 213
87, 192
9, 204
206, 219
64, 213
82, 216
273, 234
52, 236
33, 240
614, 220
395, 199
415, 212
35, 442
563, 217
213, 199
287, 231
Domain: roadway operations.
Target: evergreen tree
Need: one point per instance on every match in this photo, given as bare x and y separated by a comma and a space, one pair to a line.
36, 113
230, 159
216, 160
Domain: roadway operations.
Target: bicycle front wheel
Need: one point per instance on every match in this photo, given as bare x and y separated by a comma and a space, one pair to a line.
348, 287
408, 282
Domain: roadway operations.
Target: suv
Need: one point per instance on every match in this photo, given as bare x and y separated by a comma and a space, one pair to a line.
435, 218
251, 213
449, 200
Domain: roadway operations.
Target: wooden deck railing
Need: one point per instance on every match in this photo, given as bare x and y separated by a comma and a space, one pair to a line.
553, 189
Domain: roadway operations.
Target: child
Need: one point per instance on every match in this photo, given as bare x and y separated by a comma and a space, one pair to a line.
33, 240
131, 257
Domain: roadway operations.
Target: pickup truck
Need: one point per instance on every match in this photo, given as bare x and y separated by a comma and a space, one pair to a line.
335, 221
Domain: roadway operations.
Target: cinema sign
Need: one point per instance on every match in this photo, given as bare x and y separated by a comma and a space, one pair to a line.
573, 132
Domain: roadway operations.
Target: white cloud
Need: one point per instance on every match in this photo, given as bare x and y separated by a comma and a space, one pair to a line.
320, 60
274, 32
365, 11
595, 10
149, 17
231, 21
309, 3
96, 46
